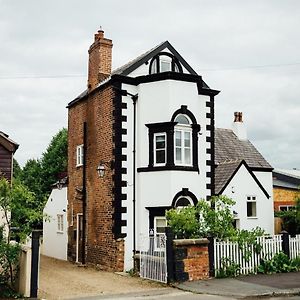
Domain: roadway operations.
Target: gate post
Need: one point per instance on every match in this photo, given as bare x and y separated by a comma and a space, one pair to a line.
169, 254
286, 243
35, 245
211, 256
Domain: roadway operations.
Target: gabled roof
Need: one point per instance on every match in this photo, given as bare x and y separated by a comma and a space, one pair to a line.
225, 171
8, 143
145, 57
229, 148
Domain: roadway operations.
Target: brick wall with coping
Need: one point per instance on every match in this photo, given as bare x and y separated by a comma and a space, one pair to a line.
191, 260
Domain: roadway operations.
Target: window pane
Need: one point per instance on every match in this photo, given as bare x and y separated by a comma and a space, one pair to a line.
160, 142
153, 67
182, 202
187, 156
187, 139
165, 66
160, 156
178, 138
251, 209
178, 154
181, 119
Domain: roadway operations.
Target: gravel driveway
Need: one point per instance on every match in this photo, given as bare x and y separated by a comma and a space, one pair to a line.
63, 280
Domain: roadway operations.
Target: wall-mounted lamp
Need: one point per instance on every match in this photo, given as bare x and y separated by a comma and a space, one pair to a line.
101, 169
59, 185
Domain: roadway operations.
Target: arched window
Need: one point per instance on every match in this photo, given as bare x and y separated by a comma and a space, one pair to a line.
183, 202
164, 62
183, 141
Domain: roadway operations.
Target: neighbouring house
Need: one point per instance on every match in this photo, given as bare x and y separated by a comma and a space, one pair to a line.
286, 188
7, 149
141, 140
55, 224
244, 175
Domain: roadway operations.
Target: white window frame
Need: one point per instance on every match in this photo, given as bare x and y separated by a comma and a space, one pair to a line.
183, 129
161, 149
165, 60
60, 223
156, 234
288, 207
251, 199
79, 155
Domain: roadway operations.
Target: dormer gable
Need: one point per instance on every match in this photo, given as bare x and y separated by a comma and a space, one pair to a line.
161, 58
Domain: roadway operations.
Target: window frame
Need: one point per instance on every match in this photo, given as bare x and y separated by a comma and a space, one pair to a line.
60, 223
157, 235
288, 207
155, 163
251, 199
79, 155
183, 129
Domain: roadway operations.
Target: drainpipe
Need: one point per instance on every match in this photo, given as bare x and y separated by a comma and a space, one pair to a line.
134, 100
84, 194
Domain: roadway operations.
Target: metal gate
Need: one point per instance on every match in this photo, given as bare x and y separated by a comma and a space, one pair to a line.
153, 261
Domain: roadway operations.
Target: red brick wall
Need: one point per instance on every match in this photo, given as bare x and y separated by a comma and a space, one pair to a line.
102, 249
191, 259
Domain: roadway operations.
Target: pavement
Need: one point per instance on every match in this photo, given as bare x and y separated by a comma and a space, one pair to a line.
252, 286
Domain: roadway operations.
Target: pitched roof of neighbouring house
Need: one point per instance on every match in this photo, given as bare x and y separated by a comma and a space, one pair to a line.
225, 171
8, 143
286, 178
229, 148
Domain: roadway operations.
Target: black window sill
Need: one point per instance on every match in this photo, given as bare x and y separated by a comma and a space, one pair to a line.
168, 168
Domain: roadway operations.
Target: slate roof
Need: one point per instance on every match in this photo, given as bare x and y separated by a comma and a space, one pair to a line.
286, 178
229, 148
223, 173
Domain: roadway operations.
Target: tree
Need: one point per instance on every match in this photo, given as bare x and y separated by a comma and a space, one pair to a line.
17, 200
40, 174
17, 170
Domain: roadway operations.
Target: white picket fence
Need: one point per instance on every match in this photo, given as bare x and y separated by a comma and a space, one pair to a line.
226, 251
295, 246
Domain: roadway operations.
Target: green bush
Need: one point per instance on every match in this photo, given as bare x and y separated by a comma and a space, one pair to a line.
228, 269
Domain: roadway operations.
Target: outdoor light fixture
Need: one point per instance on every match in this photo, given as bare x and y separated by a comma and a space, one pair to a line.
101, 169
59, 185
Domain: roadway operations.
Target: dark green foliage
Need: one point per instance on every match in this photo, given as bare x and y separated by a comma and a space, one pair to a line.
280, 263
16, 169
228, 268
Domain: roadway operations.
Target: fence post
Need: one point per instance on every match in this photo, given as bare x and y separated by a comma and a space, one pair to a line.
35, 245
169, 254
211, 256
286, 243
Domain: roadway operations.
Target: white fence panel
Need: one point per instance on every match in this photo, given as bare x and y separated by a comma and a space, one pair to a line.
295, 246
153, 260
247, 258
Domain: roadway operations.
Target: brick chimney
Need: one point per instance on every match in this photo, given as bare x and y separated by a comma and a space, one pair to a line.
100, 58
238, 127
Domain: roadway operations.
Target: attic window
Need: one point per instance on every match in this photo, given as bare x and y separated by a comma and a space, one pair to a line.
164, 62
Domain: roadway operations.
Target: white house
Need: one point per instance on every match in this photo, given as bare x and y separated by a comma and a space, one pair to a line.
55, 225
244, 175
148, 129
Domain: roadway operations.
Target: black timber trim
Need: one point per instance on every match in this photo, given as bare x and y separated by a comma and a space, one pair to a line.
167, 168
212, 143
261, 169
156, 60
119, 170
147, 78
243, 162
158, 211
153, 53
184, 192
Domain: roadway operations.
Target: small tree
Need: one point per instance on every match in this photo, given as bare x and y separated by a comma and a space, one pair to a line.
18, 201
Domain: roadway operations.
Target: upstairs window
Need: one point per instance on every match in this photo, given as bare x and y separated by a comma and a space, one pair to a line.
165, 62
79, 155
251, 207
183, 141
160, 149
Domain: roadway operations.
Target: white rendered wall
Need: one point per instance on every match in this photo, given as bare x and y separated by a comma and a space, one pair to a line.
55, 242
244, 185
157, 102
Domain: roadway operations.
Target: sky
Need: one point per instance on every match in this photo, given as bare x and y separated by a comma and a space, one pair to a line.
249, 50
